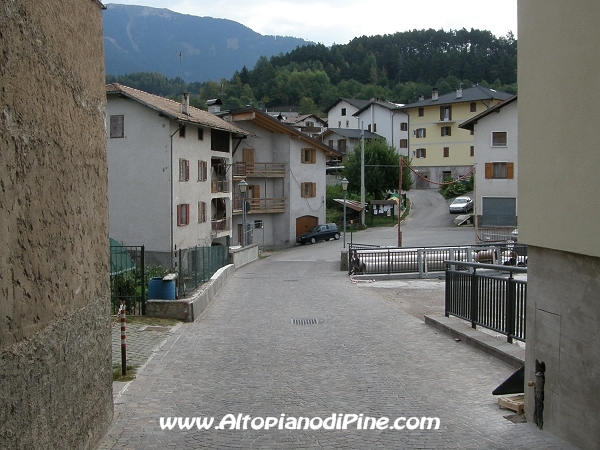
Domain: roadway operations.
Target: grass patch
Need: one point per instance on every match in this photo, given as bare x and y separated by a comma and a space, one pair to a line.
117, 376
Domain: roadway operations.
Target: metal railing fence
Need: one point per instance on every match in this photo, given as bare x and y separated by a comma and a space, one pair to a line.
127, 279
196, 265
487, 295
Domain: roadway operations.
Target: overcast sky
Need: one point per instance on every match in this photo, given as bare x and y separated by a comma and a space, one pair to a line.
329, 22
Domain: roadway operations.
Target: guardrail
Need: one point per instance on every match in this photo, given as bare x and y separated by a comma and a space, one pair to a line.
487, 295
423, 260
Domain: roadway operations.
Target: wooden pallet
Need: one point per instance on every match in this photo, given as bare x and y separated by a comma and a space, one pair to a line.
515, 403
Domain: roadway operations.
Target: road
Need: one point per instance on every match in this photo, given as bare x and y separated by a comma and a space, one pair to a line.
290, 339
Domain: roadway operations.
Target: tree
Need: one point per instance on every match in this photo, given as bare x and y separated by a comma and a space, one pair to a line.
381, 169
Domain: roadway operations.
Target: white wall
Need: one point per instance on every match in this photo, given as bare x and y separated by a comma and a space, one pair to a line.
504, 120
139, 177
334, 116
388, 124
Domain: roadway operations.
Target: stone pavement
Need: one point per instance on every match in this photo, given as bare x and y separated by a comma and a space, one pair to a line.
364, 356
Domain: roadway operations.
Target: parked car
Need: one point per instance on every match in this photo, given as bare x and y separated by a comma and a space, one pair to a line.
461, 204
320, 233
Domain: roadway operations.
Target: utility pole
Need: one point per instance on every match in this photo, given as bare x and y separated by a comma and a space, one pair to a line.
400, 203
362, 174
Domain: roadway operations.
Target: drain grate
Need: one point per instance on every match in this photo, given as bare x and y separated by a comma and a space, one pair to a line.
305, 321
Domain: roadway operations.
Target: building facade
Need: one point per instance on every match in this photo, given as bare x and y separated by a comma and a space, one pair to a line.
387, 120
285, 172
438, 148
559, 212
496, 170
170, 183
55, 338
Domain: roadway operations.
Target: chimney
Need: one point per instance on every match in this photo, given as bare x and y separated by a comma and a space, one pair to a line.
459, 91
185, 103
434, 94
421, 98
214, 105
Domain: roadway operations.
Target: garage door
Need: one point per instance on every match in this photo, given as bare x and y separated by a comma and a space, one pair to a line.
305, 223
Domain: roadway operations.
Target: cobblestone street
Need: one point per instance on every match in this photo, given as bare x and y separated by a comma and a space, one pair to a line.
364, 355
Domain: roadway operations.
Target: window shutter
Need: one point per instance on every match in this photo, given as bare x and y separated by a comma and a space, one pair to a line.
313, 189
187, 170
510, 170
489, 170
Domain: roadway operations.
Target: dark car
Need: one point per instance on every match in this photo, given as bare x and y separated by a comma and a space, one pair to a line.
320, 233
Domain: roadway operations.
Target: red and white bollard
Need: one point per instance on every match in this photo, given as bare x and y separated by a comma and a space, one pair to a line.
123, 340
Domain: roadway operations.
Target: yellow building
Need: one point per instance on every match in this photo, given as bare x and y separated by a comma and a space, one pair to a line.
437, 147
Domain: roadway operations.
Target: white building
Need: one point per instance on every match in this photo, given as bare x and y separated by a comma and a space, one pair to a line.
169, 186
496, 143
285, 171
384, 119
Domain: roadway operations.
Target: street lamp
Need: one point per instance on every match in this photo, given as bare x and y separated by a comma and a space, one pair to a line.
243, 187
344, 188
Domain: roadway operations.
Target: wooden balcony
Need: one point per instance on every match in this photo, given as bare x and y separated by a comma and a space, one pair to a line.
221, 225
266, 205
258, 169
217, 186
259, 205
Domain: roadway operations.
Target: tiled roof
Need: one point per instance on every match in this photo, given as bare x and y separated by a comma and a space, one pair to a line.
387, 105
470, 124
172, 109
353, 133
471, 94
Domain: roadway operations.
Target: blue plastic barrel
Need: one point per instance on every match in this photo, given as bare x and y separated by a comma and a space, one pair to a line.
158, 289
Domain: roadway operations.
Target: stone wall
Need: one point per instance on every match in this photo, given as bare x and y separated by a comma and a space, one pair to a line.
55, 371
563, 325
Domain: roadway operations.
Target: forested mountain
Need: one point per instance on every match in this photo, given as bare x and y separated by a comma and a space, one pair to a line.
144, 39
397, 67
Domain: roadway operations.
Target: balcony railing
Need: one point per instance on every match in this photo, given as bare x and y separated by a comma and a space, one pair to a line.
220, 186
267, 205
221, 225
258, 169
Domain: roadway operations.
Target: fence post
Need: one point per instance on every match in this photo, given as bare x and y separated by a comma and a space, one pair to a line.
389, 263
420, 262
510, 308
474, 298
449, 281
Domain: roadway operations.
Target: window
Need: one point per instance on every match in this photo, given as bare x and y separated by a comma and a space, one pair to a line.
340, 124
421, 153
472, 151
219, 140
341, 146
446, 152
421, 112
184, 169
403, 126
472, 131
473, 107
347, 123
446, 131
499, 170
117, 129
369, 127
403, 143
374, 128
446, 113
309, 156
343, 111
420, 132
499, 139
182, 131
183, 215
200, 134
201, 212
202, 170
309, 189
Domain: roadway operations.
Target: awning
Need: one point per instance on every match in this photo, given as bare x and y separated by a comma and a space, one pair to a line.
352, 204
